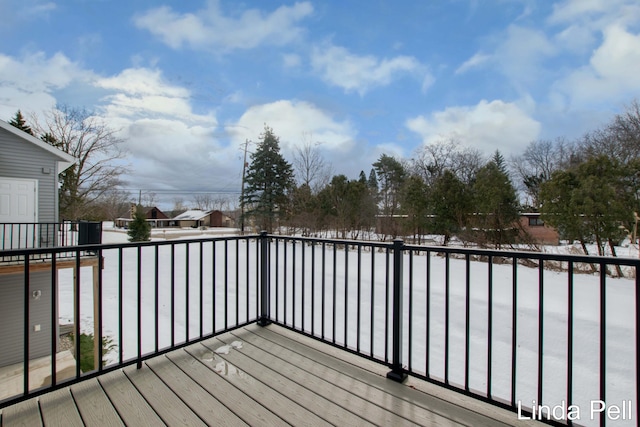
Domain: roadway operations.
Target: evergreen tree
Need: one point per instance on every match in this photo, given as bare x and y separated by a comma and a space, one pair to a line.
139, 228
496, 203
269, 181
415, 206
19, 122
450, 203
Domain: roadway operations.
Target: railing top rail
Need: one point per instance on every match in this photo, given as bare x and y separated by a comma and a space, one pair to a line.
514, 254
520, 254
106, 246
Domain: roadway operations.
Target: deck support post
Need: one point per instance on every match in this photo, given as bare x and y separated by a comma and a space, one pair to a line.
397, 372
265, 315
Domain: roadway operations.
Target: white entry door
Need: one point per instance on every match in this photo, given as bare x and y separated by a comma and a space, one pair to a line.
18, 206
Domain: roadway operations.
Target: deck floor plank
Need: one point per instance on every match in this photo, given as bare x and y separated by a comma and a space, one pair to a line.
310, 392
133, 409
93, 404
251, 411
271, 376
172, 410
59, 409
197, 398
23, 414
271, 396
418, 407
322, 381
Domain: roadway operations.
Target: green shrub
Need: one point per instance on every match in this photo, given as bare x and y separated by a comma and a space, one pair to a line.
86, 351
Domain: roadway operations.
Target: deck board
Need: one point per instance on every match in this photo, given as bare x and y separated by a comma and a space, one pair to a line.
168, 406
311, 395
255, 376
59, 408
273, 396
93, 404
420, 409
132, 407
198, 399
252, 412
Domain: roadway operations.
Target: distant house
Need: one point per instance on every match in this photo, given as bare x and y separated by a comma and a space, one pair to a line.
154, 216
198, 218
29, 171
533, 228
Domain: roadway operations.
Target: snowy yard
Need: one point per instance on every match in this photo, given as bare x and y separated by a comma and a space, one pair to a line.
230, 305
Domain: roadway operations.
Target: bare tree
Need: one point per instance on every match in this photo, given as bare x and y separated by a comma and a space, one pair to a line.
431, 160
203, 201
114, 203
97, 148
310, 167
149, 198
536, 165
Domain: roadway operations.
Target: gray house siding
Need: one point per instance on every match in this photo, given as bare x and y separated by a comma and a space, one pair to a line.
25, 157
12, 330
21, 159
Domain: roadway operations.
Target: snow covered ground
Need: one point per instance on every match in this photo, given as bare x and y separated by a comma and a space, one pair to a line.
219, 305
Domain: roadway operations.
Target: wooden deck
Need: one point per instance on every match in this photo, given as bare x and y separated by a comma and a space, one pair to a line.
255, 376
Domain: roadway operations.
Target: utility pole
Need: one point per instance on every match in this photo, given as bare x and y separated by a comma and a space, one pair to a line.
244, 168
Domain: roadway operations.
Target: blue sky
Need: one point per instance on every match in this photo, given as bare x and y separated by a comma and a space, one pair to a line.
187, 82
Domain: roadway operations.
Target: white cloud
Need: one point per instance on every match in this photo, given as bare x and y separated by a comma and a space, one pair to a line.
142, 92
291, 60
486, 126
475, 61
360, 73
290, 121
27, 83
612, 71
210, 29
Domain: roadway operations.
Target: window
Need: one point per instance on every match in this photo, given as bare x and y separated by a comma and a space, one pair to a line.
535, 222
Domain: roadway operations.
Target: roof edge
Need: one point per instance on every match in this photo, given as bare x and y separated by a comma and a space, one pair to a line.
65, 160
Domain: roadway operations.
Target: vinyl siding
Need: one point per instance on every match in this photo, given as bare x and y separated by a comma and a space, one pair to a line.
12, 317
21, 159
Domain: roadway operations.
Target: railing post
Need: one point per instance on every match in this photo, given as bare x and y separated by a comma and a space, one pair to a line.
397, 372
265, 315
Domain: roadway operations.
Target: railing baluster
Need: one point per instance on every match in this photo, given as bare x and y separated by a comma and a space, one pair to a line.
201, 290
359, 298
324, 263
237, 281
410, 349
489, 325
25, 337
156, 302
139, 309
427, 315
373, 302
346, 294
302, 283
603, 340
120, 311
173, 294
213, 286
540, 330
467, 319
514, 329
570, 336
187, 287
54, 318
446, 318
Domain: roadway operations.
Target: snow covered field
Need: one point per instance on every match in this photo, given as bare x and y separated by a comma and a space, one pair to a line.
621, 375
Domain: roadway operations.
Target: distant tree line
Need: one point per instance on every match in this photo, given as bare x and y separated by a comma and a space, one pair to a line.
587, 188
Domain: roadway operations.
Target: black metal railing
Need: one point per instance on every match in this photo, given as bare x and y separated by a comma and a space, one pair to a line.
546, 336
48, 235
